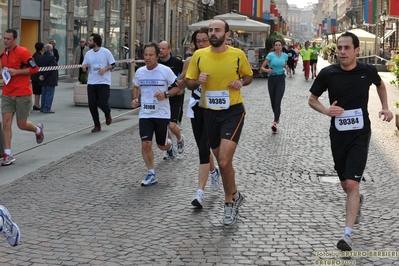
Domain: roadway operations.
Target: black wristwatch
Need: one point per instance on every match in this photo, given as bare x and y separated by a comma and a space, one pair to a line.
242, 81
166, 94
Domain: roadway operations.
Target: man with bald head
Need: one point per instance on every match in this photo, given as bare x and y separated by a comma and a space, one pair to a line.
176, 65
79, 55
222, 71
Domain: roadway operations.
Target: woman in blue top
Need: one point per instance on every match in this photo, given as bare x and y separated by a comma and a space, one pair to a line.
275, 65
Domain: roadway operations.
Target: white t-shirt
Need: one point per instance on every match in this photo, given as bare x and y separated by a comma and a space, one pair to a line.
96, 61
151, 82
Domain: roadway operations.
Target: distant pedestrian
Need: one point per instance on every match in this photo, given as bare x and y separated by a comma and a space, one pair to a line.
313, 58
275, 65
55, 51
37, 89
207, 167
156, 83
100, 62
305, 53
48, 79
16, 97
222, 71
9, 229
348, 84
79, 55
291, 60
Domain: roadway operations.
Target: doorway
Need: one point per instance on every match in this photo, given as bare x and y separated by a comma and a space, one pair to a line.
29, 34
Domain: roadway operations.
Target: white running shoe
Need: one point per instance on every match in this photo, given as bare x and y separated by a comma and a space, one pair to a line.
198, 200
215, 179
180, 145
150, 179
9, 228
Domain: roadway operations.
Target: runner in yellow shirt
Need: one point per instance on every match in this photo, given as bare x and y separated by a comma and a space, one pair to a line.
222, 71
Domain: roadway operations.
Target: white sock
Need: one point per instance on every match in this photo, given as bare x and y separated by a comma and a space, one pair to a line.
200, 191
348, 231
38, 130
152, 171
7, 151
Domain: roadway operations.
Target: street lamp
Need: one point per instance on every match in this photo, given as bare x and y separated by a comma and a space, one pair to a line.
383, 19
207, 3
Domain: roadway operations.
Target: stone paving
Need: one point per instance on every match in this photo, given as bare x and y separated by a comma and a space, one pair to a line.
89, 208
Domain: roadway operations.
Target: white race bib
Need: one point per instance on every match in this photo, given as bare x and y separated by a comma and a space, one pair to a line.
218, 100
149, 105
350, 120
6, 75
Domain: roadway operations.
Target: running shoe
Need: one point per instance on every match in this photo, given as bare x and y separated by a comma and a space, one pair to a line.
150, 179
198, 200
215, 179
9, 228
274, 127
359, 215
7, 159
180, 145
171, 153
40, 136
345, 243
238, 201
229, 216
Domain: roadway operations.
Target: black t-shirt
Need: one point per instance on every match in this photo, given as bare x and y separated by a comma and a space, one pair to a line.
291, 55
176, 65
349, 88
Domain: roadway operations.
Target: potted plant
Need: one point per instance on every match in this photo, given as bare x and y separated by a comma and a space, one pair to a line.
123, 79
80, 91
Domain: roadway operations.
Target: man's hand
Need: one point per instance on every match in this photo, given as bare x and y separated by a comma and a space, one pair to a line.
203, 77
388, 116
335, 110
135, 103
84, 67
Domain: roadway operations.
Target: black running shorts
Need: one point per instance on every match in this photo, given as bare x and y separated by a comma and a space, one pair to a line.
350, 150
224, 124
158, 125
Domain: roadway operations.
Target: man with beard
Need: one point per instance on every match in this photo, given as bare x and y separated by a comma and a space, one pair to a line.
222, 71
176, 65
100, 61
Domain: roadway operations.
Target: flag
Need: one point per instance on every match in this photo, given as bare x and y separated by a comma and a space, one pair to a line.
246, 7
393, 8
370, 11
333, 16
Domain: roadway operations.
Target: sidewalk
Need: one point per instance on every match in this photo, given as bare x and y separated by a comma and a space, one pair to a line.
88, 208
66, 131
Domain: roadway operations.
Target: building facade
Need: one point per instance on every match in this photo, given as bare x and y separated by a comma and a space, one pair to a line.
66, 21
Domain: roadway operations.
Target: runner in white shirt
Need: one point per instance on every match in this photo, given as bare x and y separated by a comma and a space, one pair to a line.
153, 81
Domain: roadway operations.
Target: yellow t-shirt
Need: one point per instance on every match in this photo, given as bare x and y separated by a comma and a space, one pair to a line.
223, 68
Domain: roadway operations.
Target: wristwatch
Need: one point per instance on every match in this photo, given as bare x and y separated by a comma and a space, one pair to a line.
242, 81
166, 94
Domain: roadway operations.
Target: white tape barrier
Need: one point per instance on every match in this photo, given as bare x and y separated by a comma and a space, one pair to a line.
51, 68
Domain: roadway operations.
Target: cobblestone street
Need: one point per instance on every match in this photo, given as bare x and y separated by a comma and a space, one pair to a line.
89, 208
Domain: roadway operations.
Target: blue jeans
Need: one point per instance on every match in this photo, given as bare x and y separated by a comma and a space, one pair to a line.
47, 98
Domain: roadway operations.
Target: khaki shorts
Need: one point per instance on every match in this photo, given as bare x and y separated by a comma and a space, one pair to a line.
21, 105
